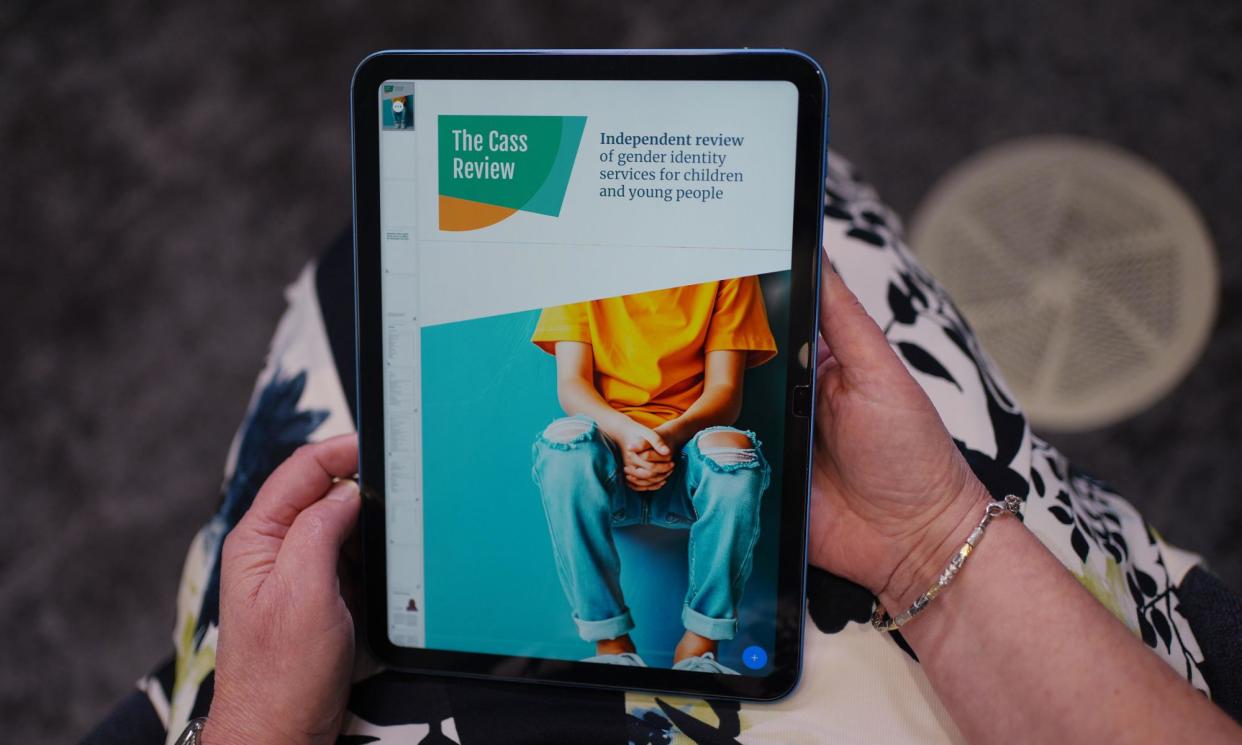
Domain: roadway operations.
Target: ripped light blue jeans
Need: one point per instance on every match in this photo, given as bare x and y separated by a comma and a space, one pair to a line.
713, 492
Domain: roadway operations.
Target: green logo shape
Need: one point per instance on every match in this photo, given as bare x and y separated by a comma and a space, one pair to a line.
515, 162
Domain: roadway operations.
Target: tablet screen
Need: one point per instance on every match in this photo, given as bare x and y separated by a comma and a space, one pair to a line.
586, 331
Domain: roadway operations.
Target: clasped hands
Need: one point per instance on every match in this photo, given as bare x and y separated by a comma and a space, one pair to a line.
647, 455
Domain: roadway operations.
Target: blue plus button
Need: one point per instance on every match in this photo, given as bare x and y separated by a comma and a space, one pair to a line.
754, 657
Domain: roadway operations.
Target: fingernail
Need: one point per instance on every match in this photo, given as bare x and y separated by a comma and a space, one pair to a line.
343, 491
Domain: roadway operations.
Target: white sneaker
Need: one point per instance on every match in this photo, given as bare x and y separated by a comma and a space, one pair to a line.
705, 663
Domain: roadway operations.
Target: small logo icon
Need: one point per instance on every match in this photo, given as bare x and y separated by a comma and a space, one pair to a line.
754, 657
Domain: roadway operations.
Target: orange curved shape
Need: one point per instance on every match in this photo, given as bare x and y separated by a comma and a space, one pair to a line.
463, 214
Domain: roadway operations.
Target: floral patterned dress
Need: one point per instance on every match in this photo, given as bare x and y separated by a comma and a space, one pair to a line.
858, 685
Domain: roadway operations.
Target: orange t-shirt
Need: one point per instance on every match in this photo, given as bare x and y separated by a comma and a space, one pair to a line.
650, 348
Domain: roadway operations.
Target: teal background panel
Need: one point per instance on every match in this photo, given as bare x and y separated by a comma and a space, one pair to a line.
491, 582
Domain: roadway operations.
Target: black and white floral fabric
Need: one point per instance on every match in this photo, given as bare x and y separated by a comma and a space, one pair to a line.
858, 686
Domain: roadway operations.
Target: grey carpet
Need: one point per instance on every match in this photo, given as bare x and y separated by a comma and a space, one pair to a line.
166, 168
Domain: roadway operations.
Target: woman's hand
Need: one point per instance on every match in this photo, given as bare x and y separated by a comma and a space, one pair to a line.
286, 644
891, 496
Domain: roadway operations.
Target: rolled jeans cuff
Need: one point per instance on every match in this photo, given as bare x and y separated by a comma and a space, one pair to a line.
707, 627
609, 628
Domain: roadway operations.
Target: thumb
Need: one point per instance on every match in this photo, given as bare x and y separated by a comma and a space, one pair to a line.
657, 442
312, 547
637, 444
853, 336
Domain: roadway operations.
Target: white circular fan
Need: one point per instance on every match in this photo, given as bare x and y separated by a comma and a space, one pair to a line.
1089, 277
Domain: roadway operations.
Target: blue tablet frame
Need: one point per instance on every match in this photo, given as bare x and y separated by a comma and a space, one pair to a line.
812, 139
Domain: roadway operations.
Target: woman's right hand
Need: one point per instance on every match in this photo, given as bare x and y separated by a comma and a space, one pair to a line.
891, 496
286, 644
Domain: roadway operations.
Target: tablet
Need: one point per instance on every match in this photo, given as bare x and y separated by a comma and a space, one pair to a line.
586, 305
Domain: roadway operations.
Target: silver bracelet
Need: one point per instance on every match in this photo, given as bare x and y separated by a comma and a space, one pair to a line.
880, 619
193, 732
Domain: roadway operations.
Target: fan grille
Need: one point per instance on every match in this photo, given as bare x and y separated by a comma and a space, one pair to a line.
1087, 274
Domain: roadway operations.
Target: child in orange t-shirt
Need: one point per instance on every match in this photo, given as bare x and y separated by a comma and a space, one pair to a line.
646, 378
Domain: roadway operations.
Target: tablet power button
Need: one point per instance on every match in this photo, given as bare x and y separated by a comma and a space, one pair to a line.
802, 400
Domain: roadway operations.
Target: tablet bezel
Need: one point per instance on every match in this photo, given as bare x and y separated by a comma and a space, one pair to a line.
685, 65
